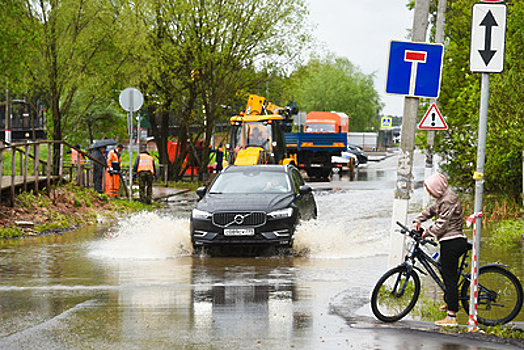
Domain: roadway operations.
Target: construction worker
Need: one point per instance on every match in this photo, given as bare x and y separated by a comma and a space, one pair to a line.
75, 155
145, 168
113, 170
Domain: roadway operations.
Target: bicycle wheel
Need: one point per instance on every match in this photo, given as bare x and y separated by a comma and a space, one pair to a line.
395, 294
499, 296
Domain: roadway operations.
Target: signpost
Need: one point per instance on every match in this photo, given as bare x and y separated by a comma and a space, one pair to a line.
488, 30
433, 120
131, 100
386, 122
414, 69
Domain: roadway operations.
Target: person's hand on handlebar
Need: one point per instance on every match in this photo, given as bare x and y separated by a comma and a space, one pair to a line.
418, 227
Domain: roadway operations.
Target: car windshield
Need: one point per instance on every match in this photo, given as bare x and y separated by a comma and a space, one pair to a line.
251, 181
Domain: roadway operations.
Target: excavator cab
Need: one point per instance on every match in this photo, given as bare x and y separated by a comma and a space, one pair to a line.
256, 140
257, 135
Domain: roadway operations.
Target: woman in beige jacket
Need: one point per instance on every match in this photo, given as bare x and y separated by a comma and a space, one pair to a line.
447, 229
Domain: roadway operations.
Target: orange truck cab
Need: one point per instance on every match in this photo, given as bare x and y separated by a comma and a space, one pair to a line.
329, 122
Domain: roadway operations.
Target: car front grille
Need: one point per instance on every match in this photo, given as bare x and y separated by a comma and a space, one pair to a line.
235, 219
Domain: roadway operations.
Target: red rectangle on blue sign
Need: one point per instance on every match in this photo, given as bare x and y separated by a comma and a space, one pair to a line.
416, 56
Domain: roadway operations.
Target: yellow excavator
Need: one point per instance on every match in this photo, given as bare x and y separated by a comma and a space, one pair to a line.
257, 135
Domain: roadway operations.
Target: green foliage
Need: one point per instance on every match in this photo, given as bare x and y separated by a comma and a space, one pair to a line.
200, 54
187, 185
334, 83
460, 99
506, 332
126, 206
10, 232
508, 233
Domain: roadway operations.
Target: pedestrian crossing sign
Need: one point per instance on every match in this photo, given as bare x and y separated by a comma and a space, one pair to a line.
433, 120
386, 122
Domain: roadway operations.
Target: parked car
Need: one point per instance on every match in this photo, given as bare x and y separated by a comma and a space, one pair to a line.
357, 151
341, 163
252, 205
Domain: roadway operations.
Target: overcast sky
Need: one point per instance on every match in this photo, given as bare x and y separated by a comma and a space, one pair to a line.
361, 31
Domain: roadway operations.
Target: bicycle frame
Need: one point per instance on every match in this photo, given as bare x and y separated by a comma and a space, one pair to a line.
427, 262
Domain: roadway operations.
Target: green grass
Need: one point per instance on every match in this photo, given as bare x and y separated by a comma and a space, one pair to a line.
508, 233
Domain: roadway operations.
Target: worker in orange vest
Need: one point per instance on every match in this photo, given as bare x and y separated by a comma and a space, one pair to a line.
145, 168
75, 155
113, 171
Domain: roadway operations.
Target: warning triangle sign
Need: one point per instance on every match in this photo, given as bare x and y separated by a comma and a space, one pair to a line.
433, 120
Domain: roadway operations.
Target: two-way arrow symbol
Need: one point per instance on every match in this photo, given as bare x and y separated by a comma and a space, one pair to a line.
489, 22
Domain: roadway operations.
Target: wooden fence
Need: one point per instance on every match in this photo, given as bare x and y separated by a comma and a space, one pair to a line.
28, 166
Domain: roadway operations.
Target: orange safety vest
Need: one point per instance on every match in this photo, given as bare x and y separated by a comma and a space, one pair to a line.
113, 160
74, 157
112, 181
145, 163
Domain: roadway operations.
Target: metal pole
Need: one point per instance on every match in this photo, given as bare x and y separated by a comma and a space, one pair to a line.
130, 125
403, 185
479, 182
7, 135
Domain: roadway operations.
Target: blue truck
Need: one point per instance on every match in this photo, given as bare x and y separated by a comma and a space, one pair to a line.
312, 151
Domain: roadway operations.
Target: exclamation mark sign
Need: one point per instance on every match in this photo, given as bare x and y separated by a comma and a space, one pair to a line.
433, 119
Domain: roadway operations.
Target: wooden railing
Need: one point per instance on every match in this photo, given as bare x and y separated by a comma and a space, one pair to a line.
28, 166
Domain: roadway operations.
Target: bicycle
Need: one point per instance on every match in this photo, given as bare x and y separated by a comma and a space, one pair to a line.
396, 292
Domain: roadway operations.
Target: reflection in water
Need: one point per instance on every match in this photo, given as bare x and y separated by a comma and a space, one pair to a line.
259, 299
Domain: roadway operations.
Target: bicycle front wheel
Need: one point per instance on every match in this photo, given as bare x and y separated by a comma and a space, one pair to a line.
499, 296
395, 294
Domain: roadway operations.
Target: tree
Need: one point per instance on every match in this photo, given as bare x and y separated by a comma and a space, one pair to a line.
460, 98
208, 49
70, 46
335, 84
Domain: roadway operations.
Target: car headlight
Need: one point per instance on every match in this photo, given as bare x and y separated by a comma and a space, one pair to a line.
280, 214
200, 214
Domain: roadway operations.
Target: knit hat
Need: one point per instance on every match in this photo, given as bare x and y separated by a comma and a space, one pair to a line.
436, 184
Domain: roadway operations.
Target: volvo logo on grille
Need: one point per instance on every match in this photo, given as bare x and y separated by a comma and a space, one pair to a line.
239, 219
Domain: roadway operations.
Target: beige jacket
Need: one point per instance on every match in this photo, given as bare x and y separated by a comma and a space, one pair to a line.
448, 211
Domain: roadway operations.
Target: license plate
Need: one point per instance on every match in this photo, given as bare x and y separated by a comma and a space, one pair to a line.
316, 165
239, 231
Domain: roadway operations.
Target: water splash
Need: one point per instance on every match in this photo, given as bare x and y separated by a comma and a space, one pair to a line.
145, 235
346, 227
351, 224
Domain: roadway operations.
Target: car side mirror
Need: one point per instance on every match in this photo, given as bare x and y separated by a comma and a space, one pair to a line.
304, 189
201, 191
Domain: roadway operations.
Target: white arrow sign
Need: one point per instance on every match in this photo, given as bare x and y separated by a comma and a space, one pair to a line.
433, 120
488, 31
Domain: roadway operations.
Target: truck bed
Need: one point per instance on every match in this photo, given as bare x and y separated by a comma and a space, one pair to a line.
316, 142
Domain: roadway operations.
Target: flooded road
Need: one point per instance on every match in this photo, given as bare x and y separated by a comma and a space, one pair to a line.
139, 286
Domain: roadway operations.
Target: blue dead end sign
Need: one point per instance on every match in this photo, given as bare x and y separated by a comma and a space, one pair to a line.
414, 69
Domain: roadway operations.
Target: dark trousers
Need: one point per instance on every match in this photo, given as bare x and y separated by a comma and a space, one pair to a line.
145, 184
98, 178
450, 252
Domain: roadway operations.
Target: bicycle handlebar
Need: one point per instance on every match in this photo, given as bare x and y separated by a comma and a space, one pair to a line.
416, 235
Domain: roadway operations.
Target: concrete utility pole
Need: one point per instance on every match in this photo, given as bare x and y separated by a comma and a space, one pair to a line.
439, 38
403, 185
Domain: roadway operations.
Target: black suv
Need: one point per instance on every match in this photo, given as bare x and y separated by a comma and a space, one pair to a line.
252, 205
